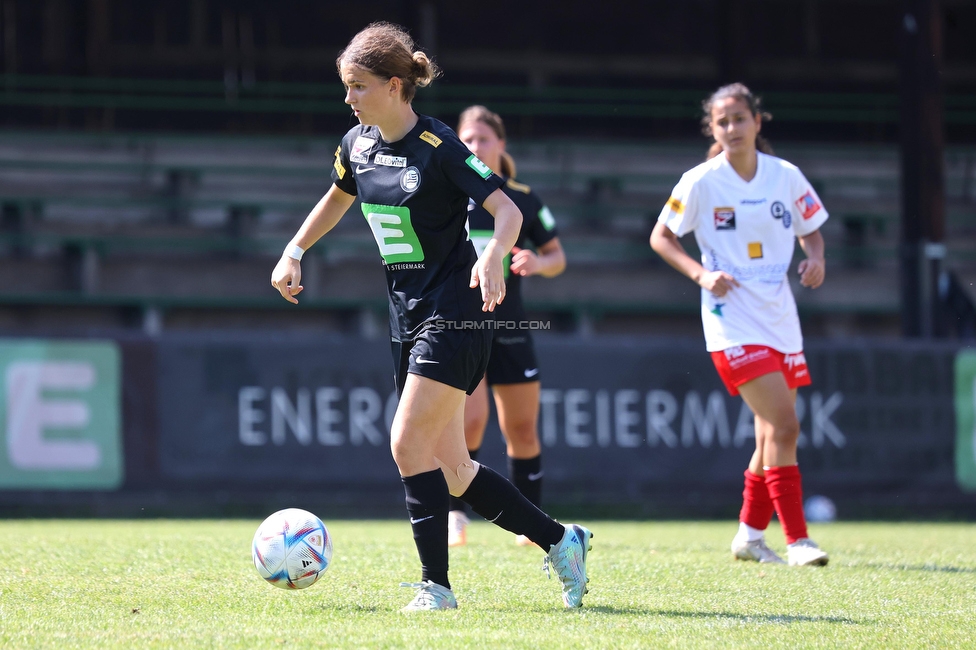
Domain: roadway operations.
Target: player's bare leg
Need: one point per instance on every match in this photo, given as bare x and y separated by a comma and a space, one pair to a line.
518, 415
774, 405
427, 411
498, 501
749, 542
475, 421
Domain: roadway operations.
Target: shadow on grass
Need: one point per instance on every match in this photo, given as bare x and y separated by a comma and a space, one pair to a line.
932, 568
745, 618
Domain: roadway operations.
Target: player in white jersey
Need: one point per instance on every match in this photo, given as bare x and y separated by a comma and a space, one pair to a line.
747, 208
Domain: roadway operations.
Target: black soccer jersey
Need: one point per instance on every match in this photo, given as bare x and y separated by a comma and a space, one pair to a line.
538, 227
414, 195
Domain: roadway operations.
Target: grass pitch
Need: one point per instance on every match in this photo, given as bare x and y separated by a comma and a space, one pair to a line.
189, 584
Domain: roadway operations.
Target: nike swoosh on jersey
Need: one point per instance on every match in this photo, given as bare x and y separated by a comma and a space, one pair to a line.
417, 521
363, 170
419, 360
532, 373
535, 477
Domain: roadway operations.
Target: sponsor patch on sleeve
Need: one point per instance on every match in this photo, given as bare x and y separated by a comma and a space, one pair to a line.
474, 163
807, 205
430, 139
755, 250
545, 216
675, 205
340, 169
724, 218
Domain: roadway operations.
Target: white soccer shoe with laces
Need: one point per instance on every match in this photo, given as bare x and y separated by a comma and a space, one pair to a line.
457, 528
430, 596
755, 551
805, 552
568, 558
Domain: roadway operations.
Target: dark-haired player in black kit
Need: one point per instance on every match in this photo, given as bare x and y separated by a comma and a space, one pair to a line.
513, 373
414, 178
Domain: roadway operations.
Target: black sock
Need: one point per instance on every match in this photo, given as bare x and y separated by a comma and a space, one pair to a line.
457, 503
498, 501
427, 506
526, 475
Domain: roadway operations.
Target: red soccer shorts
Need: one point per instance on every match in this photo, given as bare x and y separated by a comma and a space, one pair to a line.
743, 363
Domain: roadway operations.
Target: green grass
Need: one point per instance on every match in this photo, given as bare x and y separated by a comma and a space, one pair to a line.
187, 584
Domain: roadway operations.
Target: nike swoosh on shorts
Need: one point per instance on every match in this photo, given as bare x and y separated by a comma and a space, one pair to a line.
419, 360
417, 521
535, 477
532, 373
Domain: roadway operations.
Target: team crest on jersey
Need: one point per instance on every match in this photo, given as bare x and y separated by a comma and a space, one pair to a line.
360, 149
724, 218
779, 211
390, 161
410, 179
807, 205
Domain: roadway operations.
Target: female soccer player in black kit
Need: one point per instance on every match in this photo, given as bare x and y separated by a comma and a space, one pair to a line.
513, 373
414, 178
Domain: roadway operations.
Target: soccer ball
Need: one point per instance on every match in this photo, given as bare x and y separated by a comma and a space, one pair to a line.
820, 509
292, 549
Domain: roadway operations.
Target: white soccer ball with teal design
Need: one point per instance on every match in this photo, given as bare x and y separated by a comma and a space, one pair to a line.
292, 549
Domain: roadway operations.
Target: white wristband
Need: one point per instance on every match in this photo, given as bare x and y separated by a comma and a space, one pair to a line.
294, 251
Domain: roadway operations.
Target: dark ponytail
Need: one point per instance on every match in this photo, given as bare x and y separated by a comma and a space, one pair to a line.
741, 92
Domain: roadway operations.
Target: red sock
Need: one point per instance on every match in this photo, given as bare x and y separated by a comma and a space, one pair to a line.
757, 507
786, 492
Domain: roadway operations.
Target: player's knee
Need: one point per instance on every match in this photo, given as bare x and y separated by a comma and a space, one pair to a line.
787, 430
522, 434
400, 450
460, 477
474, 422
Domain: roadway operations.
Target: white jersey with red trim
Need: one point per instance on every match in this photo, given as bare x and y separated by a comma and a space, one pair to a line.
748, 230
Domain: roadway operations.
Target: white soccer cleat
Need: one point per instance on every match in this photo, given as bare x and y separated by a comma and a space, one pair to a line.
805, 552
457, 528
568, 558
755, 551
430, 596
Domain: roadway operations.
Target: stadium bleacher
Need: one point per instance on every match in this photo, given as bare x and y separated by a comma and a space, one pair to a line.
125, 223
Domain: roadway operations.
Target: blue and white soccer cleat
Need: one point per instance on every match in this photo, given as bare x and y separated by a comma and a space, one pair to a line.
568, 558
430, 596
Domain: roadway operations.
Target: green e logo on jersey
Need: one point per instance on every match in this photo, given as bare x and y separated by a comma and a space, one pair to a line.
394, 233
474, 163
